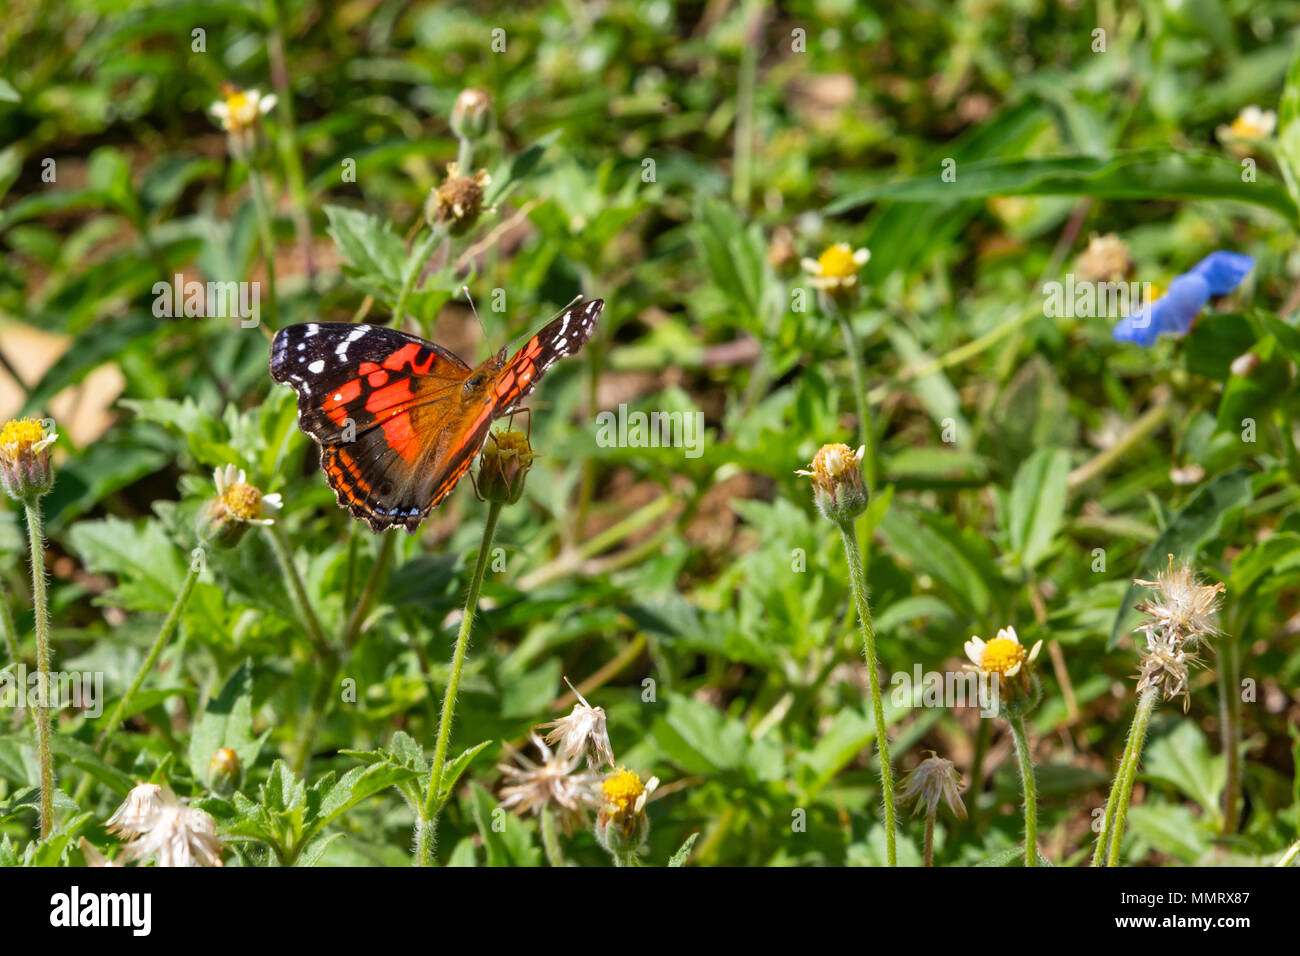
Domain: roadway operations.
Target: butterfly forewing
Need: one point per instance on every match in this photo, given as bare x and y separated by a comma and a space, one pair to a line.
368, 395
561, 337
398, 419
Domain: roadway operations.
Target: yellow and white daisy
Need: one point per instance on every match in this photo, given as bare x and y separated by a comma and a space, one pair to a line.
1003, 656
239, 110
836, 269
245, 502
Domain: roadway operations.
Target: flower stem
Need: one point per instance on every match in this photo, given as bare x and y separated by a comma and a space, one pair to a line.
1230, 721
858, 578
169, 626
428, 824
298, 593
1128, 772
859, 395
929, 839
267, 235
41, 609
551, 840
1108, 820
1030, 784
414, 268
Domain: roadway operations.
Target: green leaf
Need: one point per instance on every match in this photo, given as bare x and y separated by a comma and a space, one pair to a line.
1198, 522
227, 721
148, 567
1138, 174
1182, 759
1288, 127
375, 256
506, 839
684, 851
452, 772
1037, 504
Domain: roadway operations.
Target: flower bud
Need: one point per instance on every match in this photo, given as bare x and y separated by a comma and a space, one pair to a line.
225, 772
472, 116
25, 470
622, 825
838, 488
458, 202
504, 465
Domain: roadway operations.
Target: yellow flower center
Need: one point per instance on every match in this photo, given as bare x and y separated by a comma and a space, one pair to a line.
1247, 129
622, 789
511, 442
1001, 654
837, 262
22, 433
243, 501
831, 460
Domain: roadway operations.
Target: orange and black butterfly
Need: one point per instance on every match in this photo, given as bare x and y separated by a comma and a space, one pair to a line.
415, 413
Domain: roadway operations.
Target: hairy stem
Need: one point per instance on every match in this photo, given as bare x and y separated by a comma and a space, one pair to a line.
929, 839
169, 626
1128, 772
41, 610
858, 579
428, 823
1030, 785
298, 593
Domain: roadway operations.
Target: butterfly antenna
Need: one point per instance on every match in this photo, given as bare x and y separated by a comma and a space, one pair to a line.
482, 327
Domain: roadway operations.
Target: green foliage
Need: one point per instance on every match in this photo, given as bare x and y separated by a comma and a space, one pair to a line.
1027, 467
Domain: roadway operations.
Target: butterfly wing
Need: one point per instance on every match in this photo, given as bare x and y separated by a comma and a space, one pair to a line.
380, 403
561, 337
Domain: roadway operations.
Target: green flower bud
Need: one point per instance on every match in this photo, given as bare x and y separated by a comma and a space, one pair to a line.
838, 488
472, 116
225, 772
25, 470
503, 467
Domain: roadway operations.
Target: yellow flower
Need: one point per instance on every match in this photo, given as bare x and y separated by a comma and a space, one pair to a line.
1004, 655
239, 110
1251, 125
836, 269
25, 470
622, 826
225, 518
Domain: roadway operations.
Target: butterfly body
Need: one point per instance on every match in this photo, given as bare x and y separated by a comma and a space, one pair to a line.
399, 419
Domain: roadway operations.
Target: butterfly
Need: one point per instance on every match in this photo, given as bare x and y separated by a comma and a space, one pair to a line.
399, 419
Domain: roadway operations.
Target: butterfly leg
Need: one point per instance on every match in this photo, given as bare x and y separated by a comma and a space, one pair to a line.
521, 411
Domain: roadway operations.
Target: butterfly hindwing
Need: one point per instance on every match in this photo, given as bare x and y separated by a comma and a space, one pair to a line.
376, 400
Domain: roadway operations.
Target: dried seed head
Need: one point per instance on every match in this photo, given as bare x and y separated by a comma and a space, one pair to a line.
1181, 609
934, 779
